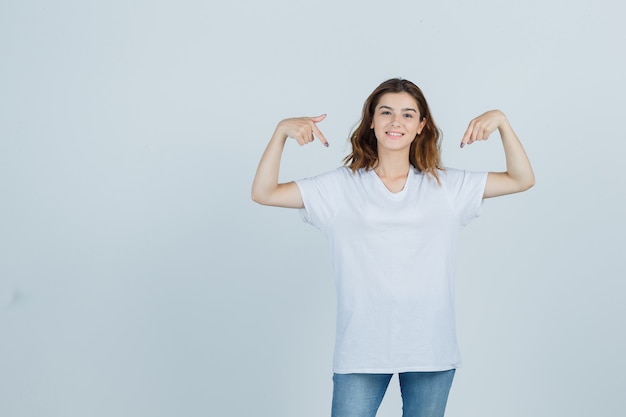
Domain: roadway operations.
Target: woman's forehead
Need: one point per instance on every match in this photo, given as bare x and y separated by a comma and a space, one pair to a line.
397, 101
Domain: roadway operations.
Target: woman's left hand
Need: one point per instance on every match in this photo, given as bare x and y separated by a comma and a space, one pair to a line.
482, 126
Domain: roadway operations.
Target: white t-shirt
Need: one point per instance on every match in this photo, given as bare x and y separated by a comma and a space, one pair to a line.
393, 257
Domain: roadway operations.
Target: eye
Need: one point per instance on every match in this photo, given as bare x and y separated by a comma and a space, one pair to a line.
385, 112
408, 115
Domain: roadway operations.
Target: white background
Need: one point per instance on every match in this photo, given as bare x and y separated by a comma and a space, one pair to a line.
138, 279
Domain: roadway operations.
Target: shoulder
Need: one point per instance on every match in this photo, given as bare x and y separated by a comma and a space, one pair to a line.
339, 173
443, 177
342, 173
334, 179
449, 172
326, 189
463, 184
454, 175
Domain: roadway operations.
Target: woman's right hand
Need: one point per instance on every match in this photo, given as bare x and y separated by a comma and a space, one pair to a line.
302, 129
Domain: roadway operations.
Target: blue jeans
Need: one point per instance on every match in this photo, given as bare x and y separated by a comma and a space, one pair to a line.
424, 394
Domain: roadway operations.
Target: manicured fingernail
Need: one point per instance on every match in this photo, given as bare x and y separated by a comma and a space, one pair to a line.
326, 144
462, 144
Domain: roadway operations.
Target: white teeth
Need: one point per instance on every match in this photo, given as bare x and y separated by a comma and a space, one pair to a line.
394, 134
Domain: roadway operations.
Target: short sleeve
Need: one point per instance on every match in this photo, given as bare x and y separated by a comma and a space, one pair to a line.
465, 191
320, 195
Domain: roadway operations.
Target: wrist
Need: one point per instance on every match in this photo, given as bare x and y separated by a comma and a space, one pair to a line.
504, 126
279, 134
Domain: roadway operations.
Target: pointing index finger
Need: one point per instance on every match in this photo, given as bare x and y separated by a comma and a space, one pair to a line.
467, 136
315, 130
320, 135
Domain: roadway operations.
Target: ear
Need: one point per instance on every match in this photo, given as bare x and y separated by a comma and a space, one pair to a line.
421, 126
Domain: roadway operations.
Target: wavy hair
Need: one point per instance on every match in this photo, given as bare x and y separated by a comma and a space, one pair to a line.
425, 150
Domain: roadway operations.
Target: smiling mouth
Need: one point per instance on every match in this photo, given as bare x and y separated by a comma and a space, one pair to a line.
395, 134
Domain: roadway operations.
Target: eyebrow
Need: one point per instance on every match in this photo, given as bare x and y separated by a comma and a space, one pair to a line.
405, 109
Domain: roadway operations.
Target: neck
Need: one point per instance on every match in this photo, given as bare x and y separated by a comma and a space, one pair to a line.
391, 166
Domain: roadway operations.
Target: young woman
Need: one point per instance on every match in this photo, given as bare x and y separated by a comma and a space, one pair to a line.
392, 216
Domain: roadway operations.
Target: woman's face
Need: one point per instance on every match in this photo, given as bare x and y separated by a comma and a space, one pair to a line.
396, 121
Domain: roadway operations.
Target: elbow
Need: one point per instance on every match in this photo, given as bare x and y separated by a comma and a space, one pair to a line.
259, 197
531, 181
254, 195
524, 180
528, 184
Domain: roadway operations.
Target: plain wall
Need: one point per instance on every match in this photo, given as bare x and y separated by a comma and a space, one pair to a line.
137, 278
